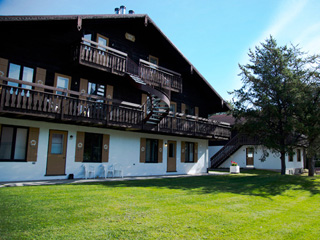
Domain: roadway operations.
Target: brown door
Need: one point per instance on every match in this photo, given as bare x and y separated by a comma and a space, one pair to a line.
250, 152
56, 163
172, 152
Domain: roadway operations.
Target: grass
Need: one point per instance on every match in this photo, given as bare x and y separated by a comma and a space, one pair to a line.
251, 205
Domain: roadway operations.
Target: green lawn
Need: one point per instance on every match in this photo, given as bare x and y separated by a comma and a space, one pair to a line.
252, 205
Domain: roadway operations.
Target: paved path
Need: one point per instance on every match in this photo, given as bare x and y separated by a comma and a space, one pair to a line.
71, 181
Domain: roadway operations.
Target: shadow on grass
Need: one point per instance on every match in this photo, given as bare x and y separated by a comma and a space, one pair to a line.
257, 183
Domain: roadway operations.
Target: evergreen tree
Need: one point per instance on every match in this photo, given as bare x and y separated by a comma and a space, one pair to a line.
276, 96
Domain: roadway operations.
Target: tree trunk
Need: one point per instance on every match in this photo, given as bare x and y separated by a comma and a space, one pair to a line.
283, 163
311, 166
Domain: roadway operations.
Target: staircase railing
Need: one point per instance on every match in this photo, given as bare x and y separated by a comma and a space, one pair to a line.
232, 146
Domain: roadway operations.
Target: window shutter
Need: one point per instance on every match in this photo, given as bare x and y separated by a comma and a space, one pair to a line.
142, 150
33, 140
79, 147
109, 93
83, 87
3, 67
183, 108
160, 151
183, 151
195, 152
196, 111
40, 78
105, 148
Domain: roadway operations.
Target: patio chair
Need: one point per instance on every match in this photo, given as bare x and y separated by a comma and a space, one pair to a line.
118, 168
110, 170
89, 169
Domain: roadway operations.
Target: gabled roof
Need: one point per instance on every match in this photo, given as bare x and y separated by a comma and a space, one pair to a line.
146, 18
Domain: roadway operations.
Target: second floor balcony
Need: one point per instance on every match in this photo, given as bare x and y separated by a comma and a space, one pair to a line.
40, 102
108, 59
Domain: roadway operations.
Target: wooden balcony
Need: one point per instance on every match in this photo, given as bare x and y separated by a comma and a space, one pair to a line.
108, 59
42, 103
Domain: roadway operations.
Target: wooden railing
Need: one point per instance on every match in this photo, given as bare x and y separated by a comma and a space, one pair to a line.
39, 101
103, 57
195, 127
231, 147
49, 105
112, 60
160, 77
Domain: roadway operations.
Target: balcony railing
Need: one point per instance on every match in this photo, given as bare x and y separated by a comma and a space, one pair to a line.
72, 107
109, 59
102, 57
160, 77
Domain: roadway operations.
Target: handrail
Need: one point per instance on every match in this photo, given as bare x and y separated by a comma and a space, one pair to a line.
104, 46
66, 91
235, 143
161, 69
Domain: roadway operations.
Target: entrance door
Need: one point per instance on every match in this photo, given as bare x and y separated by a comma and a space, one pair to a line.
249, 153
56, 163
172, 152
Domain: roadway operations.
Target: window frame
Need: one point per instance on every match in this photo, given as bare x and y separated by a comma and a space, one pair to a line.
13, 142
290, 157
92, 146
56, 76
21, 75
155, 157
298, 155
187, 158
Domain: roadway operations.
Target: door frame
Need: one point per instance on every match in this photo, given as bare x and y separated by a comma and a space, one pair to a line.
65, 145
175, 156
250, 158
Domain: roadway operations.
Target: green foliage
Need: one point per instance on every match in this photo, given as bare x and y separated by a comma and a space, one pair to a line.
280, 90
251, 205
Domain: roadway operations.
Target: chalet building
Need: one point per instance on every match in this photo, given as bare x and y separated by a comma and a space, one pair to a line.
90, 94
247, 152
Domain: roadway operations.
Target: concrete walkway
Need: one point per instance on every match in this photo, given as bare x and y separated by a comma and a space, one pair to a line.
71, 181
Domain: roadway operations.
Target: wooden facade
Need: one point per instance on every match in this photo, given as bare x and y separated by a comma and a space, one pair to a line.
58, 46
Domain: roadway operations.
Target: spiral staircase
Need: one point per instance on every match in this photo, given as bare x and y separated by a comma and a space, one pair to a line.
158, 102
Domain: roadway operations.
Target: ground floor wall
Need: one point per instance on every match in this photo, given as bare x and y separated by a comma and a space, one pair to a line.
272, 161
124, 149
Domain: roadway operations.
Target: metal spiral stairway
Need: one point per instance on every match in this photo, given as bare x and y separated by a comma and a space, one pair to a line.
158, 103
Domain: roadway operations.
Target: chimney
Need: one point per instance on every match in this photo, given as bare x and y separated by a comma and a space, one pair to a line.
122, 9
131, 12
116, 11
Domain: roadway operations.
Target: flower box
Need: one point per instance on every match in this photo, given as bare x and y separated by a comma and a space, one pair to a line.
234, 169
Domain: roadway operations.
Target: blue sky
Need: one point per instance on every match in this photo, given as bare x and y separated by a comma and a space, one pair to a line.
214, 35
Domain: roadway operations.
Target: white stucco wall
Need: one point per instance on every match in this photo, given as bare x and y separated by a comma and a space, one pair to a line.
213, 150
271, 162
124, 150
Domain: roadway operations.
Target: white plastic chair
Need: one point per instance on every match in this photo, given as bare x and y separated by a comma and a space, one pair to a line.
105, 170
118, 168
110, 170
89, 169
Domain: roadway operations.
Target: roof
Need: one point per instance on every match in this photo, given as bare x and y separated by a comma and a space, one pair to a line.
148, 20
224, 118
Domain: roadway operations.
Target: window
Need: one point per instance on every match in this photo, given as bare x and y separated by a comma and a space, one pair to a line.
62, 82
189, 110
298, 155
151, 151
102, 40
173, 107
13, 143
172, 150
290, 157
189, 152
153, 60
96, 89
92, 147
20, 73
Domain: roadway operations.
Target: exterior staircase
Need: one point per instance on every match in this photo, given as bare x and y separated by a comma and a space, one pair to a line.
158, 103
231, 147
